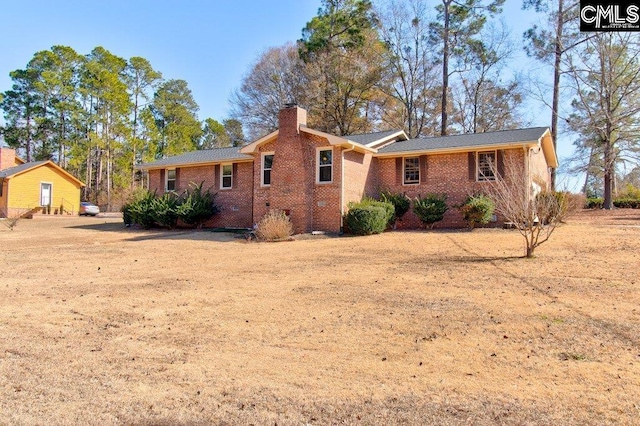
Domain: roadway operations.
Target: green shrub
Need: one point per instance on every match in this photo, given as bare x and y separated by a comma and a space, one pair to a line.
431, 208
139, 211
627, 203
370, 202
477, 210
274, 226
366, 219
164, 210
197, 206
594, 203
401, 203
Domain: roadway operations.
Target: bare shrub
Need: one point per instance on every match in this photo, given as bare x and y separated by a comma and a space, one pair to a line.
534, 212
10, 219
274, 226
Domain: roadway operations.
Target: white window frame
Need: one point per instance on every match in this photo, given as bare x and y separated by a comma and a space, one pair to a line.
482, 177
404, 171
166, 180
318, 165
222, 176
263, 169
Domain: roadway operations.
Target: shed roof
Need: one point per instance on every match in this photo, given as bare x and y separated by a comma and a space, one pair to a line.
25, 167
12, 171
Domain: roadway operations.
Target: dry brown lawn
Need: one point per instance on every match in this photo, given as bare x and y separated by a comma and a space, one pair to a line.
100, 324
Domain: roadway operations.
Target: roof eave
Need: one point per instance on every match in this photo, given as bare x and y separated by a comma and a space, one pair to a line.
253, 146
152, 166
382, 142
550, 155
49, 163
457, 150
339, 141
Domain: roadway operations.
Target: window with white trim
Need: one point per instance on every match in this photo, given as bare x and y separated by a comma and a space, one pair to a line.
325, 165
171, 180
486, 165
226, 176
411, 170
267, 164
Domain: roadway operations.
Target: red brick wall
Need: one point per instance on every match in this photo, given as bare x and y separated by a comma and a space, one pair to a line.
236, 204
261, 194
446, 173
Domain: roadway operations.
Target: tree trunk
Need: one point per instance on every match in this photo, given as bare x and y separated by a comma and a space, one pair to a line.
445, 66
556, 84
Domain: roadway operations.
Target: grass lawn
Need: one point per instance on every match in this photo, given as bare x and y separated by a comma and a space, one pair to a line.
102, 324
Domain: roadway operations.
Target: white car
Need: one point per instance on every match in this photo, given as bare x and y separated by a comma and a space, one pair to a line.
88, 209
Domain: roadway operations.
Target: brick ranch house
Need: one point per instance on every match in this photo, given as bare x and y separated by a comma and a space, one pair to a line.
313, 175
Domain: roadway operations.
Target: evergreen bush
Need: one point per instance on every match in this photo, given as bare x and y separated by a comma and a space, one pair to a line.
197, 206
401, 203
431, 208
366, 219
164, 210
477, 210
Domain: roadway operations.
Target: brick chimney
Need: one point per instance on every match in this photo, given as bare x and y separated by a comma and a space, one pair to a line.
292, 175
7, 158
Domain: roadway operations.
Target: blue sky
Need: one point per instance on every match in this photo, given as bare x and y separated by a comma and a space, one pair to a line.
210, 44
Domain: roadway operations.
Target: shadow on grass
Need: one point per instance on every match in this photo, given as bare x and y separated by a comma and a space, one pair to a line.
140, 234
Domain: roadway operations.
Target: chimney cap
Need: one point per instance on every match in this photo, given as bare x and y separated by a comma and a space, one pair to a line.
291, 104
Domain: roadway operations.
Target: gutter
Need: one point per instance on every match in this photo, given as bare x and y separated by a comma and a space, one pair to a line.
456, 150
342, 186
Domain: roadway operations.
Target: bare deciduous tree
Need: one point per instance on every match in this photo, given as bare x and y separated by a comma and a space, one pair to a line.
528, 207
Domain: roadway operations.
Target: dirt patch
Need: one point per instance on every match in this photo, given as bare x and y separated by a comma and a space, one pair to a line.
103, 324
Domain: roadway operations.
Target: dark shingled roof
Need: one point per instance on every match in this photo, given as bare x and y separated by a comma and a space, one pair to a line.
204, 156
21, 168
367, 138
470, 140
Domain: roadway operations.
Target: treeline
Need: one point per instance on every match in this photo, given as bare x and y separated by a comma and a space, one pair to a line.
431, 68
98, 115
444, 66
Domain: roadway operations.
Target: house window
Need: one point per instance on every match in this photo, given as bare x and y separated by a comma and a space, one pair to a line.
411, 170
486, 165
226, 180
267, 163
171, 180
325, 165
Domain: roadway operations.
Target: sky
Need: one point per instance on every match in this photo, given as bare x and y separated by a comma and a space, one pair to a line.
209, 43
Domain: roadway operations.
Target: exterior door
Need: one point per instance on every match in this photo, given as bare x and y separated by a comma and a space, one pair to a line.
45, 194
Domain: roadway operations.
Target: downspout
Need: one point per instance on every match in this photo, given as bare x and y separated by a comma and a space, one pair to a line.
342, 187
527, 171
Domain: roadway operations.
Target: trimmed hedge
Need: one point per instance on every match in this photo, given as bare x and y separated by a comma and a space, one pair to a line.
627, 203
594, 203
366, 219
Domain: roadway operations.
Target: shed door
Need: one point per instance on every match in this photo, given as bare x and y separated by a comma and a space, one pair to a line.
45, 194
